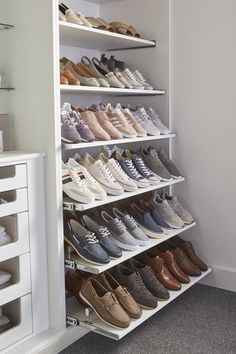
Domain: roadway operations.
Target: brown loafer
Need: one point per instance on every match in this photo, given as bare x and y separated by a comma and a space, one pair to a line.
123, 296
185, 264
104, 303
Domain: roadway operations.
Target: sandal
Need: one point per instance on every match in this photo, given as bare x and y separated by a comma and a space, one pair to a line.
134, 31
109, 27
121, 28
97, 24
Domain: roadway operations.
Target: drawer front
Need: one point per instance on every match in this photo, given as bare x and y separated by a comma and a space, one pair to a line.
13, 177
17, 204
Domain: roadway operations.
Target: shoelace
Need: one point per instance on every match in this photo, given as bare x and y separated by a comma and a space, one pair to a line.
89, 177
69, 122
153, 114
75, 178
130, 76
132, 169
140, 77
119, 224
143, 115
107, 174
122, 118
143, 167
119, 170
91, 239
104, 232
132, 221
139, 282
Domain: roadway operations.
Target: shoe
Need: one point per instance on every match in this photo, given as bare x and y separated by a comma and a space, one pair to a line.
103, 235
149, 279
157, 122
73, 284
73, 185
187, 266
156, 216
128, 167
90, 119
143, 118
151, 159
161, 271
141, 167
103, 82
5, 277
139, 78
132, 227
120, 176
82, 128
168, 163
101, 173
167, 212
123, 296
122, 79
120, 234
146, 222
187, 247
83, 241
75, 70
127, 74
71, 79
110, 76
132, 121
173, 266
135, 286
119, 121
91, 183
69, 133
105, 123
70, 15
63, 79
178, 208
4, 237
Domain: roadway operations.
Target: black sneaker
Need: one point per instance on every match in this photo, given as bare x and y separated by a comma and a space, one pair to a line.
103, 235
83, 241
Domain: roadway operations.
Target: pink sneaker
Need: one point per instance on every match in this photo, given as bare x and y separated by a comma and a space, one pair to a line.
90, 119
107, 125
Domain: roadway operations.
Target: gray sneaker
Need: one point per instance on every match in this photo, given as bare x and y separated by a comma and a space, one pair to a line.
69, 133
167, 212
143, 118
151, 159
132, 227
119, 234
157, 122
168, 163
178, 208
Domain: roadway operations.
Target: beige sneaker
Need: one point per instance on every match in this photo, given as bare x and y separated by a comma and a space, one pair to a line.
90, 119
132, 121
119, 121
103, 120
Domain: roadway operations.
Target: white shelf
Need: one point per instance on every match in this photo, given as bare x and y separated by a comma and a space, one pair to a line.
116, 141
76, 313
78, 263
109, 91
69, 204
92, 38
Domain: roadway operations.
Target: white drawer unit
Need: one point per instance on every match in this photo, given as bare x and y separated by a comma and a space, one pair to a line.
13, 177
17, 227
20, 282
16, 202
20, 314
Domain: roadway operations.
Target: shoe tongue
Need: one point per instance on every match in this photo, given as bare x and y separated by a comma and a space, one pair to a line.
99, 163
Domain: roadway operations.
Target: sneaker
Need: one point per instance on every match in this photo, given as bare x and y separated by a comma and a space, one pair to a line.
141, 167
149, 279
145, 221
127, 74
134, 284
122, 79
151, 159
120, 234
5, 277
105, 123
157, 122
128, 167
156, 215
143, 118
120, 176
119, 121
75, 70
167, 212
69, 133
73, 185
112, 79
90, 119
178, 208
87, 72
103, 235
168, 163
83, 241
132, 121
101, 173
139, 78
98, 192
132, 227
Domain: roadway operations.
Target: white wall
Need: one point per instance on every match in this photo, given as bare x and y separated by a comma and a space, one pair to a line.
204, 112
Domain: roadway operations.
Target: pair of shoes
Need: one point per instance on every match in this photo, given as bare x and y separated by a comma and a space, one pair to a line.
69, 15
4, 279
4, 237
111, 302
73, 127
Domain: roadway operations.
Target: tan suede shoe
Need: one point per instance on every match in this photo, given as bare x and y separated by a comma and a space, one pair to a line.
104, 303
123, 296
90, 119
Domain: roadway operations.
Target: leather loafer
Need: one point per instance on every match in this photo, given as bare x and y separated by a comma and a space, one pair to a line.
185, 264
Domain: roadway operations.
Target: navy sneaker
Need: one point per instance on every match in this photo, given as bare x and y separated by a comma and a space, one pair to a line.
83, 241
103, 235
146, 222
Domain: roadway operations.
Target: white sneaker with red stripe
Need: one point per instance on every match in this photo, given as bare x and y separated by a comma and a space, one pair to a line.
98, 192
74, 186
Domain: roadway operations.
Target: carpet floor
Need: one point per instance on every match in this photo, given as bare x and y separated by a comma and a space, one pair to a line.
202, 320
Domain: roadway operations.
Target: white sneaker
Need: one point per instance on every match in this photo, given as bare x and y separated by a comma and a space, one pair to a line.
139, 77
98, 192
146, 122
74, 185
122, 79
131, 79
117, 172
101, 173
157, 122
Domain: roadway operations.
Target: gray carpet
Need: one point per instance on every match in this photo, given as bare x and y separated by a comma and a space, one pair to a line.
202, 320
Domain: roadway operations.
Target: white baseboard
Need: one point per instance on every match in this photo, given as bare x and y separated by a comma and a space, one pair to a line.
223, 278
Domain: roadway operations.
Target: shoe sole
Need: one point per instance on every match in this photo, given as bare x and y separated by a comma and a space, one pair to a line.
146, 307
124, 246
111, 191
151, 233
78, 198
69, 141
128, 188
86, 259
88, 303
